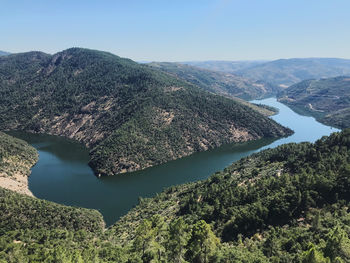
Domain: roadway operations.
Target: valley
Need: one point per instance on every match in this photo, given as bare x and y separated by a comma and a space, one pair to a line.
63, 175
174, 217
175, 131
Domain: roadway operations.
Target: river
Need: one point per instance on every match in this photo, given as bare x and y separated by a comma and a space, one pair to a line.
63, 176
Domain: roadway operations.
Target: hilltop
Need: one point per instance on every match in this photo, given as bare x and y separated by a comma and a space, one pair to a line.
328, 100
130, 116
226, 84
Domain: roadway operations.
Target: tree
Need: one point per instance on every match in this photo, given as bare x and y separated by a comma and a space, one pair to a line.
314, 256
177, 241
144, 238
333, 246
203, 243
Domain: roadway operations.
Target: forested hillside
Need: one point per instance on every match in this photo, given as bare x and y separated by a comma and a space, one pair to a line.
130, 116
288, 204
220, 83
328, 100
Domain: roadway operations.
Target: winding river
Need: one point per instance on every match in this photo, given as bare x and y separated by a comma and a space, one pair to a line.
62, 174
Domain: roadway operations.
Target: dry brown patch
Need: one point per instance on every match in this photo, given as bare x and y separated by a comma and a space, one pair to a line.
172, 89
240, 135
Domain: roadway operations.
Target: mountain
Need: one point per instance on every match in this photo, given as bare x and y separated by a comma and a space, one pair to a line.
130, 116
3, 53
288, 204
226, 84
286, 72
224, 66
328, 100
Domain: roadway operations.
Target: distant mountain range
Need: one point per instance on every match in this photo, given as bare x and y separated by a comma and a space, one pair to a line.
328, 100
225, 66
3, 53
282, 72
221, 83
129, 115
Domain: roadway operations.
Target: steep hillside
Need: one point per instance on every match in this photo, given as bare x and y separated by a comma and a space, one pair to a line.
288, 204
285, 72
226, 84
16, 159
130, 116
328, 100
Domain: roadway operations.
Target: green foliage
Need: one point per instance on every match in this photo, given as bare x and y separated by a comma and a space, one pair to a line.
314, 256
203, 243
35, 213
178, 238
16, 156
328, 100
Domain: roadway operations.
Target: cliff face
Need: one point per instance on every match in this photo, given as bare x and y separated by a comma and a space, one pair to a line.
130, 116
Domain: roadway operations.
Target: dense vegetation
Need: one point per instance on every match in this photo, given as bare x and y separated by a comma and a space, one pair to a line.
288, 204
16, 156
129, 115
328, 100
226, 84
282, 72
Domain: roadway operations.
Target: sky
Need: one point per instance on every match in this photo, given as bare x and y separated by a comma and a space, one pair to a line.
180, 30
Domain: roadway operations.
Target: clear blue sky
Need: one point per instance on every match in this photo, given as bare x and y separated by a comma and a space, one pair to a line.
179, 30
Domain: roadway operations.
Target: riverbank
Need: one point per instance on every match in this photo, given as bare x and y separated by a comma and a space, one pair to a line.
17, 158
18, 184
